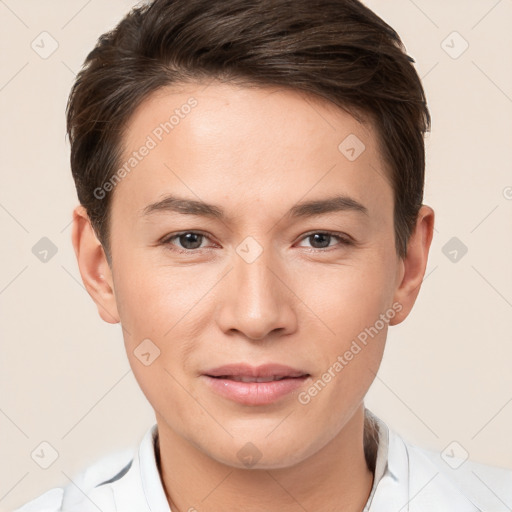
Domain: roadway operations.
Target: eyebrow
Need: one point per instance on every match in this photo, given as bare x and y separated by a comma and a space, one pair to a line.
174, 204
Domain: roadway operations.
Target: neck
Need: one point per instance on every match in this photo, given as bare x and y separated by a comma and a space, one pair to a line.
337, 477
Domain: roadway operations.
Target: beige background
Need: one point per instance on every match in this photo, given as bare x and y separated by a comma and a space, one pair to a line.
446, 373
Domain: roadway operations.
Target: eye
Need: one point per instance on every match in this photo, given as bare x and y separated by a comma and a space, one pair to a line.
321, 239
189, 241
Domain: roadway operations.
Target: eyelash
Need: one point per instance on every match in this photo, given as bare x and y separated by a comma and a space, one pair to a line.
343, 239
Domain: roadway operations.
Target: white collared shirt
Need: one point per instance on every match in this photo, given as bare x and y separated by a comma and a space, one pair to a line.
407, 479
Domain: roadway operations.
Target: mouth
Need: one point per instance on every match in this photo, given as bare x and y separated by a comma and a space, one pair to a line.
249, 385
244, 378
270, 371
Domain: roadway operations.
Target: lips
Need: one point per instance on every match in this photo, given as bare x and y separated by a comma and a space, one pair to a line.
242, 371
254, 385
243, 378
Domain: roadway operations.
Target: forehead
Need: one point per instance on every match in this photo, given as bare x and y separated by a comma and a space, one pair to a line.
244, 146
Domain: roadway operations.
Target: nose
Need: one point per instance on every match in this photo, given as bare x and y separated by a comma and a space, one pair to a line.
257, 302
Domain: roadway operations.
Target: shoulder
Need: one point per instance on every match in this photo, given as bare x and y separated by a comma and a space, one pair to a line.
427, 480
50, 501
487, 487
103, 470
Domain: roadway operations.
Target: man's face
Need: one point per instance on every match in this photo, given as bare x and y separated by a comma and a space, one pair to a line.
261, 284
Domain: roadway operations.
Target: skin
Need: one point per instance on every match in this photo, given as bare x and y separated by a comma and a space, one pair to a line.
255, 152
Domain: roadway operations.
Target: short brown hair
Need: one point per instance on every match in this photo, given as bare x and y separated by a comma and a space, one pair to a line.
338, 50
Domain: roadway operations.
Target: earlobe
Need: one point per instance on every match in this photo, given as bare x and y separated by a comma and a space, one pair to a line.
414, 264
93, 265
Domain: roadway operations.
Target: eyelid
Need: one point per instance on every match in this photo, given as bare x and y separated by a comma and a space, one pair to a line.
343, 237
166, 241
170, 236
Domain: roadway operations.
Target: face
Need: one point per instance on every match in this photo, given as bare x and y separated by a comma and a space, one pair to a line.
284, 267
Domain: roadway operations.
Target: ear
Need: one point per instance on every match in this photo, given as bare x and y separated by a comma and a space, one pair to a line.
93, 265
414, 264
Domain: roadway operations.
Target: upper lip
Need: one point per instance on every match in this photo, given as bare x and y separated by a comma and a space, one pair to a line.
247, 370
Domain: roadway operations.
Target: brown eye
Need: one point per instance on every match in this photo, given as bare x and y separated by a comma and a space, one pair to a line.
322, 240
187, 241
190, 240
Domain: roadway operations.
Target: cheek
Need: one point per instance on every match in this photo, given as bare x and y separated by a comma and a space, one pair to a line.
348, 298
152, 298
356, 306
352, 353
158, 333
162, 310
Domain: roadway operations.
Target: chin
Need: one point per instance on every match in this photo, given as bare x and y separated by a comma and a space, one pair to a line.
262, 455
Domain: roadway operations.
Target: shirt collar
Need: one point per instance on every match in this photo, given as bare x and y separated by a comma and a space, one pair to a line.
390, 490
407, 481
404, 480
141, 489
144, 473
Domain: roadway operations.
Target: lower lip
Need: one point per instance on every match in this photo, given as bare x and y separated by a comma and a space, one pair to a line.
254, 393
